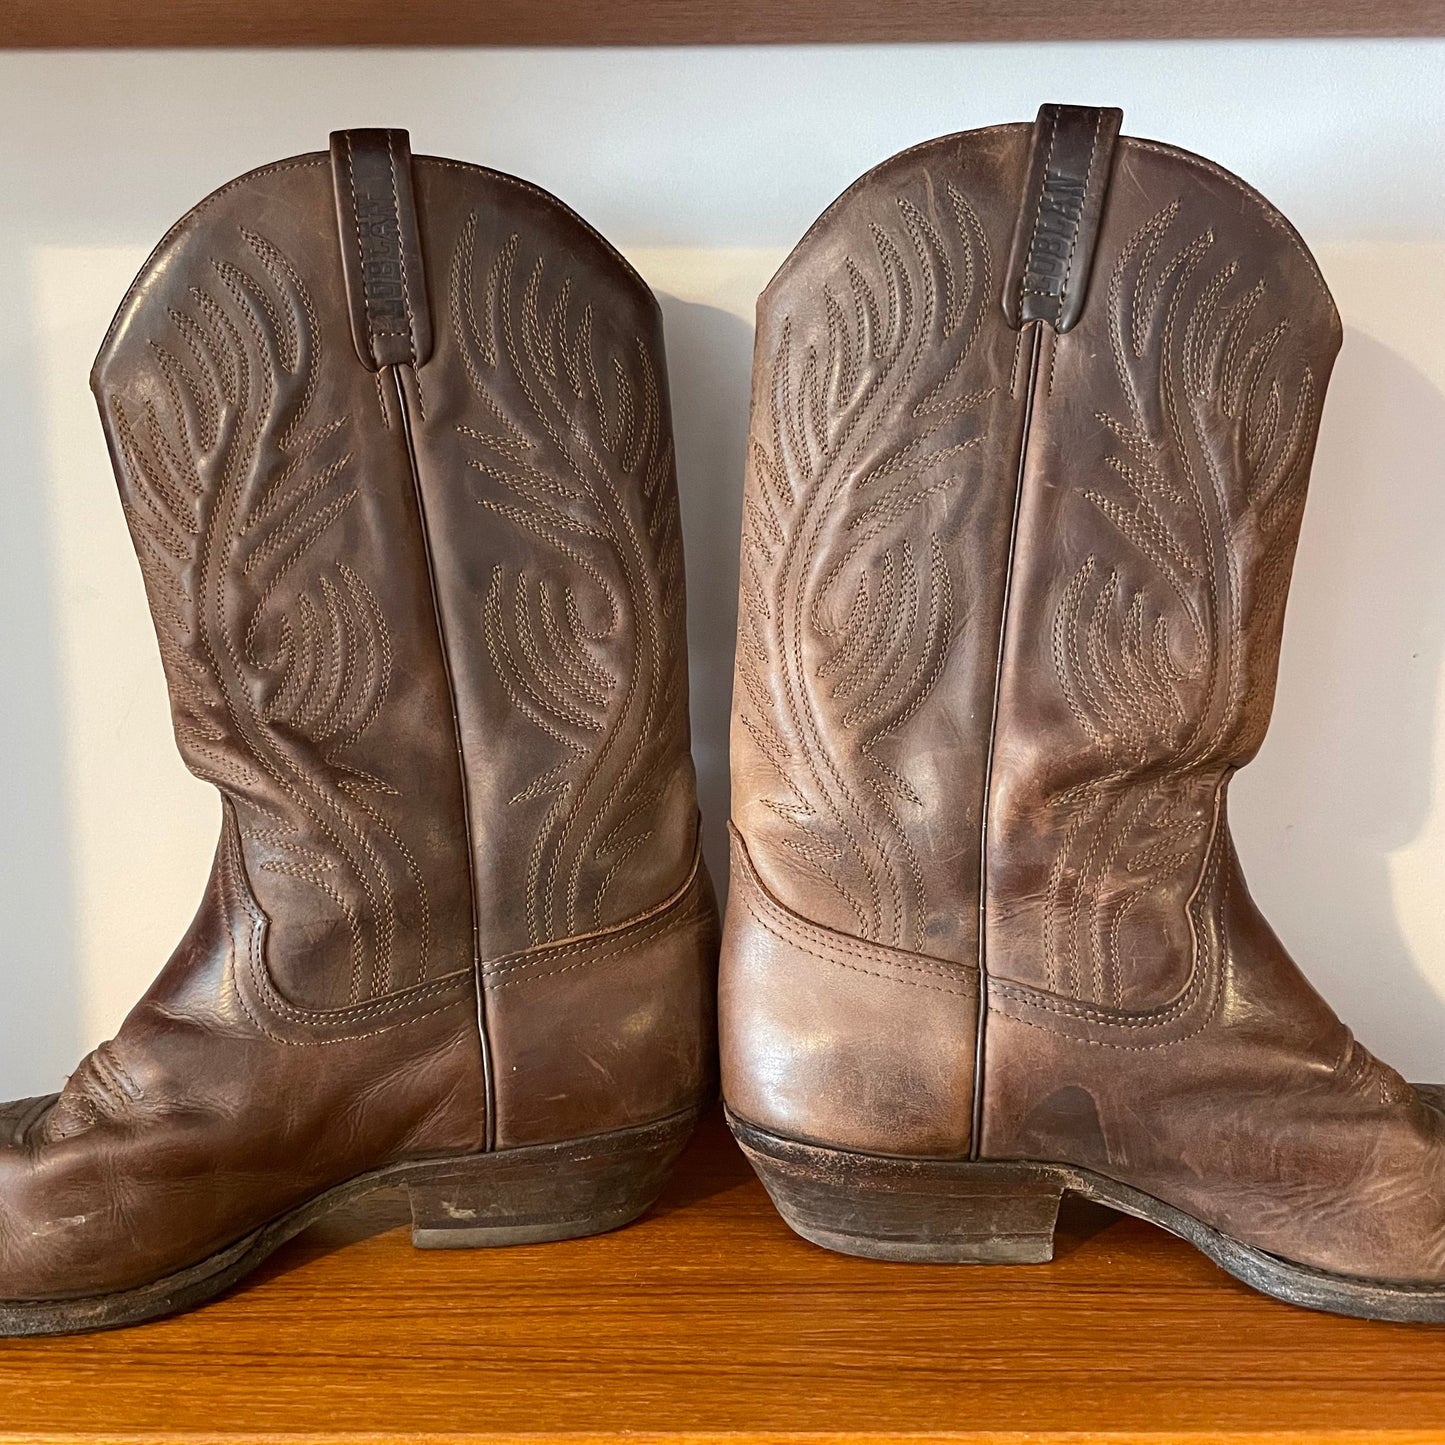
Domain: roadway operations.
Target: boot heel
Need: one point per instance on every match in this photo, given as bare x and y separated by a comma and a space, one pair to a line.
546, 1191
920, 1210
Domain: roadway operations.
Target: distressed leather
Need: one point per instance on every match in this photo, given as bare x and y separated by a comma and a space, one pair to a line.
418, 591
641, 1030
1012, 603
836, 1040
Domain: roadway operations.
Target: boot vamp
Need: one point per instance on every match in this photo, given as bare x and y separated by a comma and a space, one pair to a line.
200, 1122
225, 1135
1255, 1112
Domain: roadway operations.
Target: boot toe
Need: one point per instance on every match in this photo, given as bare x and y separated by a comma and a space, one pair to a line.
17, 1118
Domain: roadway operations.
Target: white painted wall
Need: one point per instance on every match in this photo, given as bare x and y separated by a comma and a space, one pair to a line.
704, 166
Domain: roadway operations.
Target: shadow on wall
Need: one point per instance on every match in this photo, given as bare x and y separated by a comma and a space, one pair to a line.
709, 358
39, 1019
1344, 780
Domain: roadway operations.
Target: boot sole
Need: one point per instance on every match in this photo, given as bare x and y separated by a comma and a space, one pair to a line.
948, 1212
529, 1195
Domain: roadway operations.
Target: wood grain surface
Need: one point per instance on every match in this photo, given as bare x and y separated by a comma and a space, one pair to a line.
686, 22
709, 1320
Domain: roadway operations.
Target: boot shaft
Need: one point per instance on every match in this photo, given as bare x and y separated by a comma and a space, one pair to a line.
1033, 414
990, 565
393, 440
1170, 440
887, 419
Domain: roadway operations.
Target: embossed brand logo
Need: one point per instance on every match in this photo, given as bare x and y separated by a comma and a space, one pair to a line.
382, 281
1055, 232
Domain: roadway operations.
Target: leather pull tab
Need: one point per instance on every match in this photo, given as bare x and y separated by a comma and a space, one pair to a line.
380, 247
1058, 225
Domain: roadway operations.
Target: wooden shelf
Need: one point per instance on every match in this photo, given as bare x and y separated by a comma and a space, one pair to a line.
710, 1320
687, 22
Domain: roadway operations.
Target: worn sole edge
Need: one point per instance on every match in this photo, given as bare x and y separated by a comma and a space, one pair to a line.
1270, 1274
186, 1288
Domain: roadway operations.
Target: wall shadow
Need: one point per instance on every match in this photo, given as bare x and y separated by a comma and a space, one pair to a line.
1345, 779
709, 355
39, 1018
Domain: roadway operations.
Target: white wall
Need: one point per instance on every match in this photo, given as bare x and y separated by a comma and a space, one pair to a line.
704, 166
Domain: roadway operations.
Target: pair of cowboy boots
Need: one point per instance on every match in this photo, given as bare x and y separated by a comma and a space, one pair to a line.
1034, 410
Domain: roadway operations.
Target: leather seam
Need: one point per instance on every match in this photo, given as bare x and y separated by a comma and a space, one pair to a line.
660, 930
401, 244
257, 968
853, 967
388, 1004
981, 1030
1025, 998
371, 332
801, 937
464, 788
662, 915
1078, 226
842, 943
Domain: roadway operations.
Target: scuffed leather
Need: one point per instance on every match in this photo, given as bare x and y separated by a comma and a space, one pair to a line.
1265, 1118
1140, 1017
640, 1001
193, 1127
414, 648
835, 1040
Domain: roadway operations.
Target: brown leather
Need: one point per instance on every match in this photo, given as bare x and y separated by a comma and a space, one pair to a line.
423, 627
547, 393
641, 1031
835, 1040
887, 417
381, 252
1012, 605
1070, 166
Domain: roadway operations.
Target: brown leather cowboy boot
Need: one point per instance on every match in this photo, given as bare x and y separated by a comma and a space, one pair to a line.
1034, 409
392, 437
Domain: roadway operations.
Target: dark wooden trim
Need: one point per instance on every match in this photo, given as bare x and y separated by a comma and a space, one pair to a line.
101, 23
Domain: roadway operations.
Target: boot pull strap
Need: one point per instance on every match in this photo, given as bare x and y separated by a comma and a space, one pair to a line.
1053, 247
380, 247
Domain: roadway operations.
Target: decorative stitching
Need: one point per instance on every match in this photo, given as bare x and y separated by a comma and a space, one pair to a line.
788, 933
963, 974
1127, 708
1265, 207
593, 482
1079, 224
260, 977
257, 336
1039, 209
896, 345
